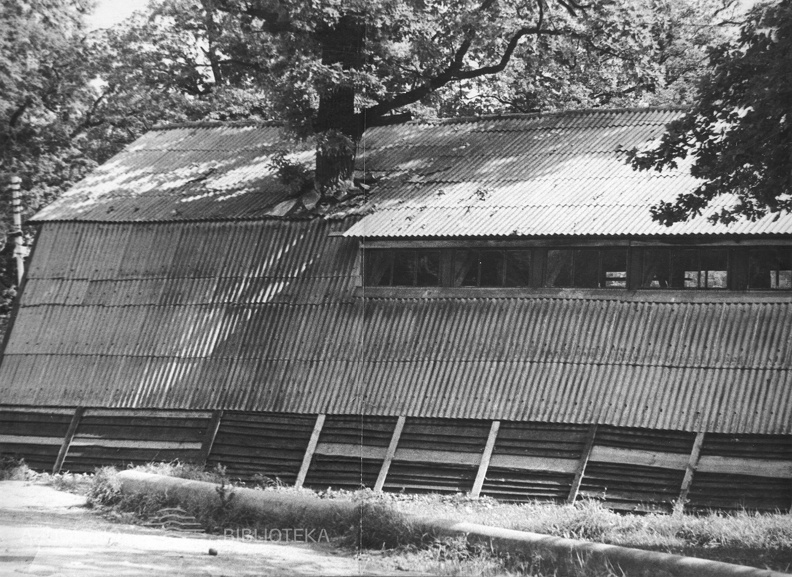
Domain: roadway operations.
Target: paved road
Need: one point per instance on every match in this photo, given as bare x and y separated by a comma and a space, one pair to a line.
47, 532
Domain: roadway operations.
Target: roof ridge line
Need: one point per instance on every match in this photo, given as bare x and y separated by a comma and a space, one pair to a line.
453, 120
555, 113
217, 124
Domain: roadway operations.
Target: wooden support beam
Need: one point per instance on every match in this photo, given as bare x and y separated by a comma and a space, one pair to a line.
640, 457
485, 459
386, 463
209, 436
581, 468
67, 440
306, 463
687, 481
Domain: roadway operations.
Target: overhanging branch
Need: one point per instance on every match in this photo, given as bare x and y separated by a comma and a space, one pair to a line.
455, 73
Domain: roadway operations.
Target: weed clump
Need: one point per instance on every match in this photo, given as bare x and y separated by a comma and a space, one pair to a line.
13, 468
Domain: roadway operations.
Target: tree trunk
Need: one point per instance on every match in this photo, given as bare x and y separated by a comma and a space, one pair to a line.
338, 127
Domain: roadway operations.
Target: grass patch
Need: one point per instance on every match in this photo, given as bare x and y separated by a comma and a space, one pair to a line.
746, 538
353, 519
386, 526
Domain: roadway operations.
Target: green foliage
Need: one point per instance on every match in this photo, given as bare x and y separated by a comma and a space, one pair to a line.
739, 131
293, 174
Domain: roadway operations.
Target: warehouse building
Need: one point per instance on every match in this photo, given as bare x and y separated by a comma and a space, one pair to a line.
490, 310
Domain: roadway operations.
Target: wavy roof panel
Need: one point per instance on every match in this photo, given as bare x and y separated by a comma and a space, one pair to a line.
522, 175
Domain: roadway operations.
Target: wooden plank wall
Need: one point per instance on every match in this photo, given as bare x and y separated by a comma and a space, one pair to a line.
270, 445
629, 469
437, 456
534, 461
121, 438
743, 471
635, 469
34, 435
350, 452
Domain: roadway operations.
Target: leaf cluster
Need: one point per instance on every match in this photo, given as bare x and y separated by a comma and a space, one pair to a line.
738, 134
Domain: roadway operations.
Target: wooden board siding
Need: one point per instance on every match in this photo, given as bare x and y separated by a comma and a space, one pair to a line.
437, 456
534, 461
350, 452
631, 487
35, 436
628, 469
121, 438
634, 469
736, 492
269, 445
743, 471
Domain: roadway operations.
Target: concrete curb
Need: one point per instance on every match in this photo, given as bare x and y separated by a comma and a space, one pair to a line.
634, 562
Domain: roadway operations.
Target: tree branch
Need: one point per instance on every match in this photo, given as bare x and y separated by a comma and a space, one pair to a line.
454, 73
12, 122
89, 121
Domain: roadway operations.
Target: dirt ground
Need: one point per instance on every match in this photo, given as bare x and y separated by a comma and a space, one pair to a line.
48, 532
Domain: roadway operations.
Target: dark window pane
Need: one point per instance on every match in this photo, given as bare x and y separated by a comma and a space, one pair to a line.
614, 268
656, 271
518, 268
761, 268
378, 265
427, 264
714, 268
586, 269
770, 268
465, 267
685, 269
559, 268
403, 268
491, 268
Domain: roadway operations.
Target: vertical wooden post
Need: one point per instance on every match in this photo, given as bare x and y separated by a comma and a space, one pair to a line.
209, 436
320, 419
70, 432
581, 468
691, 467
14, 184
485, 459
394, 442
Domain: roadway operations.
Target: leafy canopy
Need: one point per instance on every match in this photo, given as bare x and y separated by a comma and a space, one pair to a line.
739, 130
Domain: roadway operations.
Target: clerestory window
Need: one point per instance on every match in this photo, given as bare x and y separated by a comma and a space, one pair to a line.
586, 268
491, 268
685, 268
402, 267
770, 268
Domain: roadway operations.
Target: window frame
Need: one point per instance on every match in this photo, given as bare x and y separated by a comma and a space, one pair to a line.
601, 273
391, 255
778, 248
673, 255
504, 266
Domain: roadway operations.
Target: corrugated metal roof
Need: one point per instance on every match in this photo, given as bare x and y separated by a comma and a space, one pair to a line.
191, 173
264, 316
522, 175
531, 176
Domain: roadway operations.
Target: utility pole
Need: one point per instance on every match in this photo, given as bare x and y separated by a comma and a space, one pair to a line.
14, 185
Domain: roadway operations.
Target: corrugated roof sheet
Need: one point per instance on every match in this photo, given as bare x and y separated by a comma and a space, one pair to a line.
523, 175
187, 173
264, 316
529, 176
